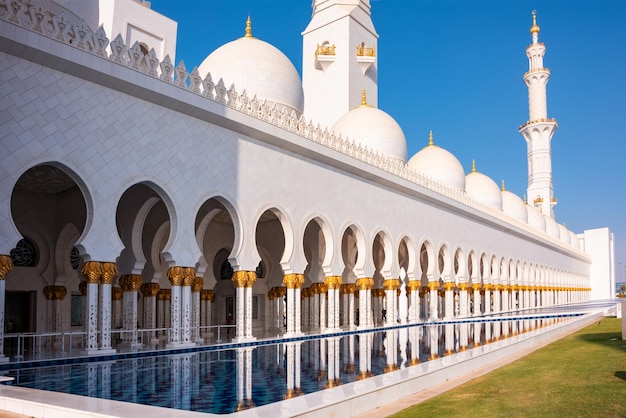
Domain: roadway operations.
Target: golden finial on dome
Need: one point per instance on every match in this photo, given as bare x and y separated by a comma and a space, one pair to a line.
363, 98
430, 139
248, 28
534, 28
473, 166
503, 188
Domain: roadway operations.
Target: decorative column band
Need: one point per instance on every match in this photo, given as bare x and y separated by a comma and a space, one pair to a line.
130, 282
149, 289
164, 294
463, 286
196, 287
476, 286
6, 265
116, 293
333, 282
243, 278
365, 283
54, 292
293, 280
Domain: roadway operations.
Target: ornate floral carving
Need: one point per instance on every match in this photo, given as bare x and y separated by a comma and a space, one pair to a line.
175, 275
92, 270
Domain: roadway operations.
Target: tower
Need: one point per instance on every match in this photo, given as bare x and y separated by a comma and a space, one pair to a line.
339, 59
539, 129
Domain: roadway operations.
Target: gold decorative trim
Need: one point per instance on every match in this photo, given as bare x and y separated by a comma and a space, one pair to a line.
92, 270
6, 265
175, 275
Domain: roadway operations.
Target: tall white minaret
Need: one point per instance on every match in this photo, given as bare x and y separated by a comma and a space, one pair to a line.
339, 59
539, 129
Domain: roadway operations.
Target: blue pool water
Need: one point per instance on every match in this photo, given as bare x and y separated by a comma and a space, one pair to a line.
223, 381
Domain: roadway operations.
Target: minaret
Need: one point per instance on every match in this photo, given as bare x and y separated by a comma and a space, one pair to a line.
539, 129
339, 60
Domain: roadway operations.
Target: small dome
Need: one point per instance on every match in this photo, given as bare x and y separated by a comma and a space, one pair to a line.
482, 189
258, 68
440, 165
552, 228
574, 240
513, 206
564, 234
535, 218
373, 129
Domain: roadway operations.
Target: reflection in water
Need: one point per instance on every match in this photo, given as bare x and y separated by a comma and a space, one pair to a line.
234, 380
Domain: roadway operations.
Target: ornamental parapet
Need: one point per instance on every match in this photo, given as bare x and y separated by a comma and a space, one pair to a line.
325, 50
537, 70
362, 51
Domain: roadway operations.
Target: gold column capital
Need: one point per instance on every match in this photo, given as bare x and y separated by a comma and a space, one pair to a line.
109, 271
333, 282
6, 265
414, 285
149, 289
196, 287
175, 275
92, 270
293, 280
134, 282
391, 284
207, 294
449, 286
243, 278
364, 283
348, 288
116, 293
54, 292
463, 286
434, 285
82, 287
189, 275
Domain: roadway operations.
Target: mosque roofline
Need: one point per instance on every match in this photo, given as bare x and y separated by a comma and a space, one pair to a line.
54, 54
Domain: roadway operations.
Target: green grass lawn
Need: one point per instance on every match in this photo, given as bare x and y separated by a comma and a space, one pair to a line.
581, 375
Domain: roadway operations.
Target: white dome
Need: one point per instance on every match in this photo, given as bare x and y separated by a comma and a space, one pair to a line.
374, 130
258, 68
439, 165
574, 240
535, 218
513, 206
483, 189
552, 228
564, 234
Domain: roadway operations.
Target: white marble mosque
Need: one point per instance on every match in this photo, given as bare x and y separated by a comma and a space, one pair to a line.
136, 192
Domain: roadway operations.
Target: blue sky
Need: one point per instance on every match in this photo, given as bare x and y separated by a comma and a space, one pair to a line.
456, 67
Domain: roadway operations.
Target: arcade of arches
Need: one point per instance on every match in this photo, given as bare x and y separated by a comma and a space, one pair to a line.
350, 280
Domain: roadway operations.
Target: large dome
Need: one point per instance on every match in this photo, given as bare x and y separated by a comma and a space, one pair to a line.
440, 165
564, 234
482, 189
258, 68
513, 206
536, 218
373, 129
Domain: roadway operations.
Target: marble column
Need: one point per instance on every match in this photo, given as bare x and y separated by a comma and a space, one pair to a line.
391, 286
116, 306
149, 292
189, 276
208, 297
448, 288
322, 292
293, 282
55, 295
348, 290
333, 284
130, 284
244, 281
487, 298
365, 285
433, 287
92, 270
6, 265
175, 276
463, 299
109, 272
413, 289
196, 288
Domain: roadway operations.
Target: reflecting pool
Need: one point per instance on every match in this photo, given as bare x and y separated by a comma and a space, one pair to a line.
222, 380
